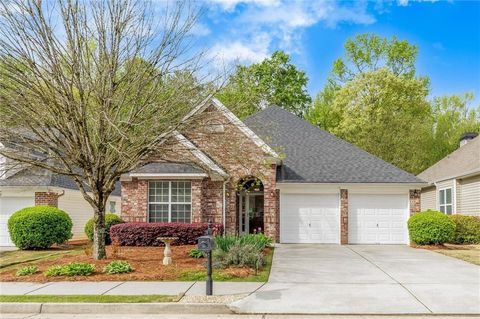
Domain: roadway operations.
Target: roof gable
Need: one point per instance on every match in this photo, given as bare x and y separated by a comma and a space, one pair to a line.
313, 155
212, 101
465, 160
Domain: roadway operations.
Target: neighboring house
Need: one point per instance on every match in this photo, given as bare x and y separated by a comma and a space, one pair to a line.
275, 173
33, 186
454, 182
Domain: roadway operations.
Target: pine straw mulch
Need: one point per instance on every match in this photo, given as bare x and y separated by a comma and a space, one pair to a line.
445, 247
146, 261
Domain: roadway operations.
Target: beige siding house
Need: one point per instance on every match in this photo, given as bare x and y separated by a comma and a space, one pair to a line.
454, 182
33, 186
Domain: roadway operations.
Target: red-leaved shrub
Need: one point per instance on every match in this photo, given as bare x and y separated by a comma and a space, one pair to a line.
146, 234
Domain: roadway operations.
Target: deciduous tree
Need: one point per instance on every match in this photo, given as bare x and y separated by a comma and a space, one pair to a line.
90, 88
275, 80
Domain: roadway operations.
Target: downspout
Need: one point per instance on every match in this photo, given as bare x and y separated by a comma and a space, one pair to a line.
223, 208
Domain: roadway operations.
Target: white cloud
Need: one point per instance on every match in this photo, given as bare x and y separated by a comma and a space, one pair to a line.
227, 52
200, 30
255, 28
230, 5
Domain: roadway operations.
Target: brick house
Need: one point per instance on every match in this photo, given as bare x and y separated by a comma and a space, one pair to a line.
273, 173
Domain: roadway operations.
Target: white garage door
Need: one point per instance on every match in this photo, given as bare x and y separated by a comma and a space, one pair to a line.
377, 219
309, 218
8, 206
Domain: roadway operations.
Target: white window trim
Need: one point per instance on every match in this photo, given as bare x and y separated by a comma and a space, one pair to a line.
445, 196
169, 203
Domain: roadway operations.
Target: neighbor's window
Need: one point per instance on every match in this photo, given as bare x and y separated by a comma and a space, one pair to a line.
113, 207
446, 201
170, 201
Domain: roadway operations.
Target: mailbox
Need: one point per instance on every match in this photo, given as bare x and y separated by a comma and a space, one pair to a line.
206, 243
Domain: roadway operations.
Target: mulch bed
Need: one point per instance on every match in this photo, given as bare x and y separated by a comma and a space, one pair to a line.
147, 262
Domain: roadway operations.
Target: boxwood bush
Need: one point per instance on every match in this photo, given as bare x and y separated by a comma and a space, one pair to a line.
431, 228
39, 227
146, 234
110, 220
467, 229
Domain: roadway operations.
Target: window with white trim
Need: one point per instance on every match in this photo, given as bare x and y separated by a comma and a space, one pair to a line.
445, 201
170, 201
113, 207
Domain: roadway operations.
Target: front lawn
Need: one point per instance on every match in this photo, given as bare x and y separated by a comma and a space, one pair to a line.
146, 262
90, 298
468, 253
9, 259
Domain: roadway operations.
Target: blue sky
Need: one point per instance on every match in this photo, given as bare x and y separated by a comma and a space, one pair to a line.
313, 33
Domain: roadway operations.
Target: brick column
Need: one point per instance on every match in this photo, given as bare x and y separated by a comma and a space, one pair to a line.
344, 216
415, 201
46, 199
271, 206
135, 201
197, 201
231, 222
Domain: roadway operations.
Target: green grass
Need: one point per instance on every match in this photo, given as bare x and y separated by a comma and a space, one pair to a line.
16, 257
88, 298
261, 276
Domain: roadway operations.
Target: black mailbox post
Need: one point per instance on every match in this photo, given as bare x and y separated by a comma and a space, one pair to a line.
207, 244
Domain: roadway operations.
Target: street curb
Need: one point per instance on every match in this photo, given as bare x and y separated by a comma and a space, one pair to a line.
114, 308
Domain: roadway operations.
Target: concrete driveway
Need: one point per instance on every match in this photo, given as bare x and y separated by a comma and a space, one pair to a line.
365, 279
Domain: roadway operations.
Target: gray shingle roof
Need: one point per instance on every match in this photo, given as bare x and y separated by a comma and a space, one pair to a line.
168, 168
35, 176
313, 155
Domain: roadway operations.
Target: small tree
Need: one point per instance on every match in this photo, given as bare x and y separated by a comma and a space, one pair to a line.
89, 89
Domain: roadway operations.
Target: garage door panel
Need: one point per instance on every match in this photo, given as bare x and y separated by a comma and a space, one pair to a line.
377, 219
8, 206
309, 218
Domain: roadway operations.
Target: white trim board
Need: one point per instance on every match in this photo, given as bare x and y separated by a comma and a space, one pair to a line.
199, 154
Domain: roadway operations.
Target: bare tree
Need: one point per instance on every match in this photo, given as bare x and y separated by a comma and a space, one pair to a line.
89, 88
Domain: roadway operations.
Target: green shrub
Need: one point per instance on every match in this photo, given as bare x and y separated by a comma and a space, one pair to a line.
196, 253
71, 269
467, 229
241, 255
110, 220
28, 270
39, 227
260, 241
117, 267
431, 227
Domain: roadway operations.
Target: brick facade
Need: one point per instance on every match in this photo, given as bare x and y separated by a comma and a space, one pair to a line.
344, 216
135, 201
46, 198
415, 206
236, 154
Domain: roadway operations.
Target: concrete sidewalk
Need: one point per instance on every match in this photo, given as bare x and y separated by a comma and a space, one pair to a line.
129, 288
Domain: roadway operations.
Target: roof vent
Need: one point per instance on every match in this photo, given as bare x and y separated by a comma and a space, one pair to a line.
467, 137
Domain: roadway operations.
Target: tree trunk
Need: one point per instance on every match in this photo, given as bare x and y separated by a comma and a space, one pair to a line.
99, 251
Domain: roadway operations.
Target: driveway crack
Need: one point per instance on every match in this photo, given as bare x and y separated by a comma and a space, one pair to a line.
386, 273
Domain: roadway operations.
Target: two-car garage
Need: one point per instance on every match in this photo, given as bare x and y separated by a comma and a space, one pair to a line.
372, 218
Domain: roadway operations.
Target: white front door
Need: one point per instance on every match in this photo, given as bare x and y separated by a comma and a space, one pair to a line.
377, 219
309, 218
8, 206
